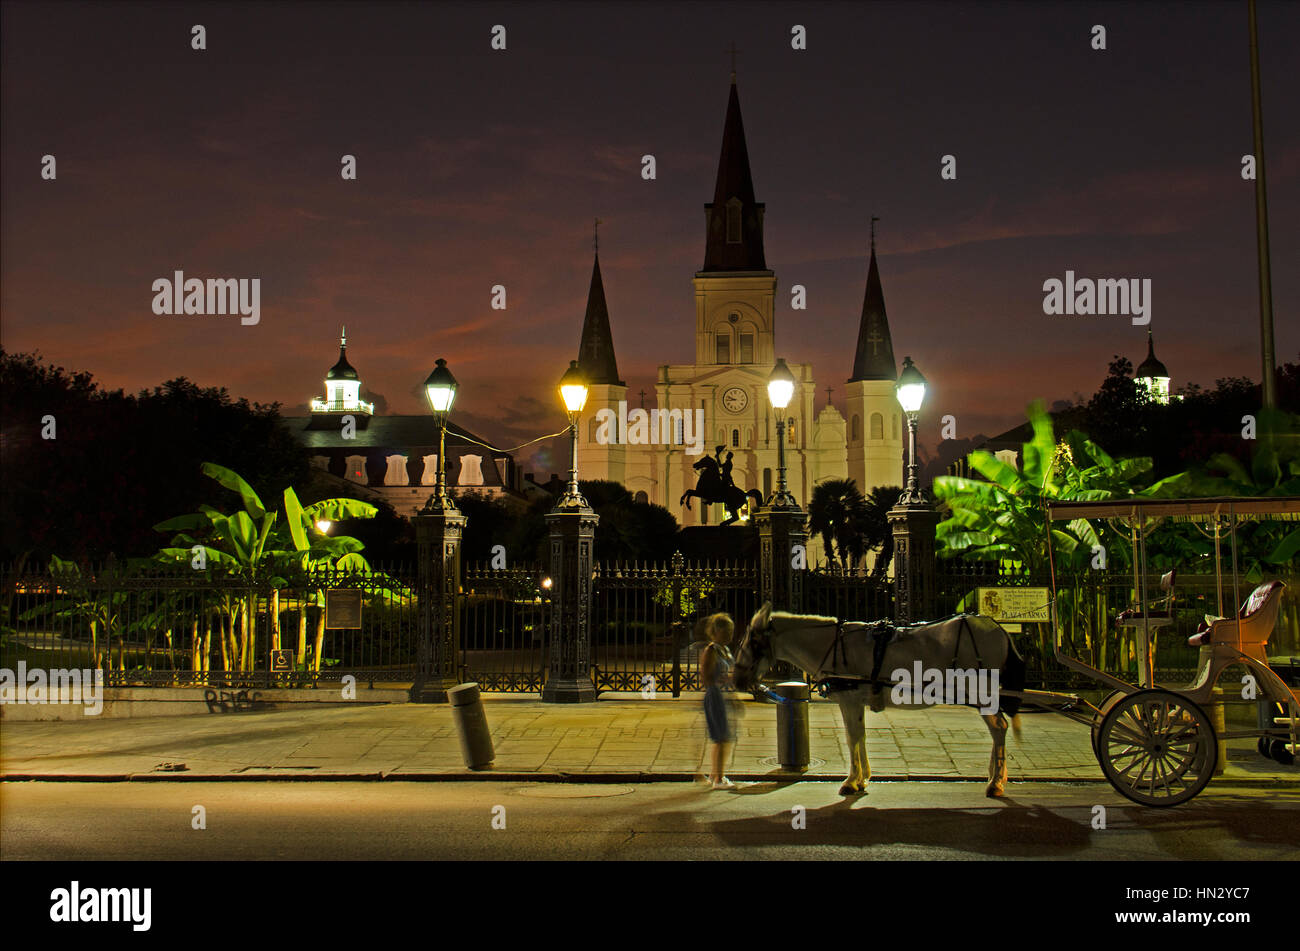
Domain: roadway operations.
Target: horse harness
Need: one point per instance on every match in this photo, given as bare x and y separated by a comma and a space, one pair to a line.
882, 634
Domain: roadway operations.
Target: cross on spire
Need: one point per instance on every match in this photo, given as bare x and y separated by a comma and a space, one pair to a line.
733, 51
643, 399
874, 219
875, 339
595, 239
828, 395
343, 337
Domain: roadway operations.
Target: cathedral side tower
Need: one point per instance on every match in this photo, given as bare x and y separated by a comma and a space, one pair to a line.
602, 451
874, 418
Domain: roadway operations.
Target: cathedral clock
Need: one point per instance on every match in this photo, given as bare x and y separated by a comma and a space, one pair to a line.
735, 400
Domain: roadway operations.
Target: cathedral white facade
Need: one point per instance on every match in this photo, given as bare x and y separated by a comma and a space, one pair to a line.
736, 349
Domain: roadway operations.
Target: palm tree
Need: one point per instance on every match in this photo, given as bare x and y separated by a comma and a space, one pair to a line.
878, 534
839, 513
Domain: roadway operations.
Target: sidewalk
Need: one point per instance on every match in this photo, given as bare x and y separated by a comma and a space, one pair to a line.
612, 739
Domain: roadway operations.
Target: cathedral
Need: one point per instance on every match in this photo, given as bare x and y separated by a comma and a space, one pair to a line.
726, 387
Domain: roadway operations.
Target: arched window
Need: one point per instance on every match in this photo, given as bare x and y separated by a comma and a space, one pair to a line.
471, 470
396, 472
735, 439
733, 221
430, 474
724, 347
641, 497
356, 470
877, 430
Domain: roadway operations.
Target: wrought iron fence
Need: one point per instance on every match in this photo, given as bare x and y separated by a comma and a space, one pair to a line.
154, 625
854, 594
504, 620
646, 617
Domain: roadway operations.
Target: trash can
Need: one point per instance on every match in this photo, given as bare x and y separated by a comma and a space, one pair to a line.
792, 725
471, 725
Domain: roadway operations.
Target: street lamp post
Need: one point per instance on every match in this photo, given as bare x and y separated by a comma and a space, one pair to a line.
573, 392
782, 537
440, 391
572, 528
780, 389
913, 519
911, 394
439, 528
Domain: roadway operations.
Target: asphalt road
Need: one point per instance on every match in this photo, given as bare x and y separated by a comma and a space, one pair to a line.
661, 821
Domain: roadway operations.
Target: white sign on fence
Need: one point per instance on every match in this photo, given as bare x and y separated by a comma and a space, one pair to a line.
1015, 604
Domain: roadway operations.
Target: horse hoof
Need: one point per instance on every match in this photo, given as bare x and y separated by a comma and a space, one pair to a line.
848, 789
994, 792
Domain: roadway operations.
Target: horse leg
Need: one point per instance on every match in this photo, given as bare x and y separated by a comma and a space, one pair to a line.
686, 499
997, 724
855, 731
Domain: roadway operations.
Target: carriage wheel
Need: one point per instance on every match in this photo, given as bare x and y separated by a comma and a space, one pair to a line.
1102, 710
1277, 751
1262, 745
1157, 748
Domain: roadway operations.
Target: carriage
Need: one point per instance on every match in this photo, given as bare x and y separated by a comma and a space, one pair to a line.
1155, 742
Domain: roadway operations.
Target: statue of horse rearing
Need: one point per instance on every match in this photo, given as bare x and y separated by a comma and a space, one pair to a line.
857, 663
711, 488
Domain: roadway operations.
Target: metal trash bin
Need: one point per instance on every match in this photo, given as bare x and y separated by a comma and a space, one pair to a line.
471, 725
792, 725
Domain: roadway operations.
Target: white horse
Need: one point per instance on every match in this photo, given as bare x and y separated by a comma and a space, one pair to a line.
859, 669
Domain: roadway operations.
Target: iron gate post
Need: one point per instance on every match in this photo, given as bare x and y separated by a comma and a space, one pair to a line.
438, 531
572, 530
912, 524
783, 554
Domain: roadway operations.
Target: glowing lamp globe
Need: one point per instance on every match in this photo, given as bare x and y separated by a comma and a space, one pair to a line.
440, 388
780, 385
910, 387
573, 389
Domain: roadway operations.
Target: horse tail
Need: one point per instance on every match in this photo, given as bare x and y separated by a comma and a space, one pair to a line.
1011, 678
755, 495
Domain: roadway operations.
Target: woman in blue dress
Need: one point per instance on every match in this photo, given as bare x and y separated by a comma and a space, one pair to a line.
715, 672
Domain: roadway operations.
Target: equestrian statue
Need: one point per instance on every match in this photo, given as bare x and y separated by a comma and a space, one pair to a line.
715, 485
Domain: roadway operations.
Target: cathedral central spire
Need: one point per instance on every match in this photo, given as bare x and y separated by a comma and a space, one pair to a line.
734, 235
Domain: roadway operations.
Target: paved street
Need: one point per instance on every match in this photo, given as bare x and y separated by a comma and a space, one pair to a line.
616, 737
657, 821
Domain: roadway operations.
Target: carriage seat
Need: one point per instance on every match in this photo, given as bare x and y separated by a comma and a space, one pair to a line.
1159, 613
1251, 633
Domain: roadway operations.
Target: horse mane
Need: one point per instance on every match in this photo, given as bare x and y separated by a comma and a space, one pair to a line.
803, 618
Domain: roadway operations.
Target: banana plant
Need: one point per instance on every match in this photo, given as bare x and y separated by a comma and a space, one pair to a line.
1003, 517
257, 545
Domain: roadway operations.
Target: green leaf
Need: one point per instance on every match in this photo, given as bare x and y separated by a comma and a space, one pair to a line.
337, 510
235, 482
184, 523
293, 511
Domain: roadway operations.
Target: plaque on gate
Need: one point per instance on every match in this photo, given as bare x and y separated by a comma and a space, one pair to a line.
342, 609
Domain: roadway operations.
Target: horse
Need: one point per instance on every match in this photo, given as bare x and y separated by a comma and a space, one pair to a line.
710, 488
850, 658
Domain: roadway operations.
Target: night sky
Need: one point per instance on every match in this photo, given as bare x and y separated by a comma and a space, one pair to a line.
479, 167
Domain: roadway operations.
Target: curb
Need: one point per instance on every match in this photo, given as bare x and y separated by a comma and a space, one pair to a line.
560, 777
